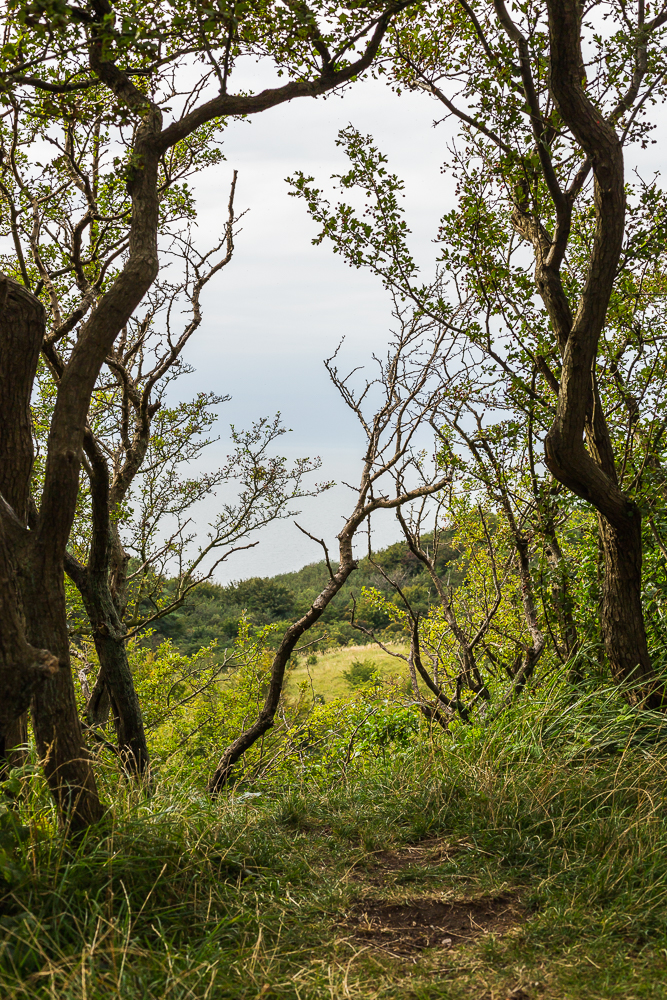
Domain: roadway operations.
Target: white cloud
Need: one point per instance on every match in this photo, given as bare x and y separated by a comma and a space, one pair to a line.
282, 305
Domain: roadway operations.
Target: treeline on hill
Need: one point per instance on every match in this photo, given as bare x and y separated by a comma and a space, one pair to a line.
212, 612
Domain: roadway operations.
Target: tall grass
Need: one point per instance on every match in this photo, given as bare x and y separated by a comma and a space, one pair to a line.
560, 800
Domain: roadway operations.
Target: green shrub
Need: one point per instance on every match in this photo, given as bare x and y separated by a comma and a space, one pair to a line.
360, 672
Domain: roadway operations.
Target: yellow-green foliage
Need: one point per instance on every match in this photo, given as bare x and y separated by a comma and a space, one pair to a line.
475, 599
336, 738
194, 705
490, 591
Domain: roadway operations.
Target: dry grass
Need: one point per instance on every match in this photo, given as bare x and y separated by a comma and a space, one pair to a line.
326, 678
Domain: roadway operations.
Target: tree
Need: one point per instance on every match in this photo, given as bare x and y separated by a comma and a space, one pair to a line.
135, 450
539, 122
392, 410
491, 507
542, 167
122, 598
80, 71
22, 666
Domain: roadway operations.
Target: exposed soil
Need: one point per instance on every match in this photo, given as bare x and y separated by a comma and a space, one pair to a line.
515, 994
407, 927
388, 866
429, 852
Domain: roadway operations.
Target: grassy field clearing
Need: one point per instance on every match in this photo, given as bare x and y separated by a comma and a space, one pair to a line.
325, 677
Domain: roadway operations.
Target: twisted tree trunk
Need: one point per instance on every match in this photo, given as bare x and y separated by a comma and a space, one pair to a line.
590, 473
33, 629
55, 717
114, 685
264, 721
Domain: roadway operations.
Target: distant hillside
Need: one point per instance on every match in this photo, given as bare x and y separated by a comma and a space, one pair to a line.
212, 611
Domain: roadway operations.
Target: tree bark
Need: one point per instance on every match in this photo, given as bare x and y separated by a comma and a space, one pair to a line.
533, 652
622, 617
36, 625
21, 336
560, 595
115, 676
106, 560
590, 473
98, 705
15, 751
22, 667
561, 600
33, 636
55, 718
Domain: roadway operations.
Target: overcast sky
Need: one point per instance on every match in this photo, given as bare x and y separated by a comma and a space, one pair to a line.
282, 304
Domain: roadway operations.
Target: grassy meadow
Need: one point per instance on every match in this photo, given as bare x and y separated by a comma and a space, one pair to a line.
326, 677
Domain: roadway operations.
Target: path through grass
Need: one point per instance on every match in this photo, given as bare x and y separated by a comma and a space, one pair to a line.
556, 860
